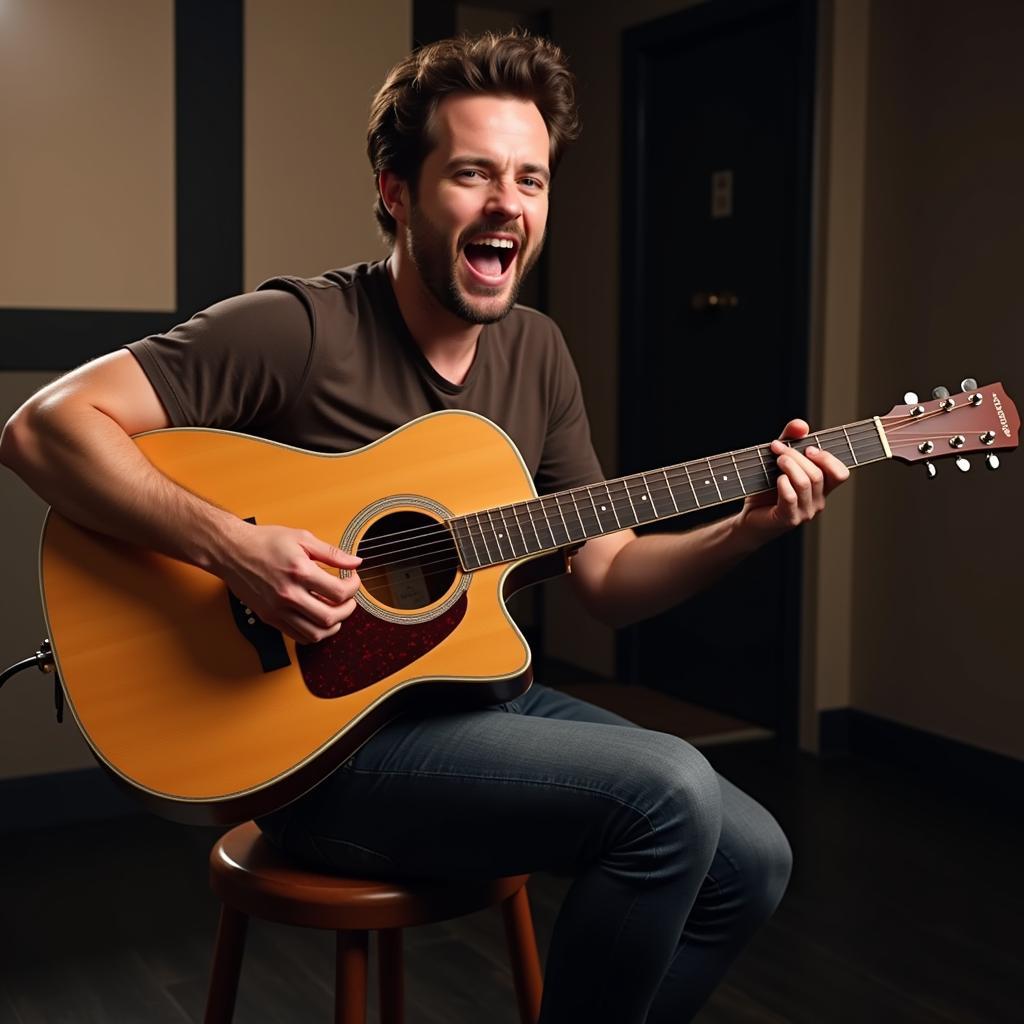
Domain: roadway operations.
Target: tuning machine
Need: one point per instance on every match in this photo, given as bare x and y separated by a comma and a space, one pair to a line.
940, 392
991, 460
962, 464
968, 384
929, 468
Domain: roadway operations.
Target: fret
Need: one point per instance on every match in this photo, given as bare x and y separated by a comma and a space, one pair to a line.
636, 489
503, 537
850, 443
622, 503
599, 527
483, 538
574, 523
739, 475
533, 525
554, 521
764, 468
726, 483
661, 503
693, 490
611, 505
704, 488
588, 529
671, 493
514, 511
604, 511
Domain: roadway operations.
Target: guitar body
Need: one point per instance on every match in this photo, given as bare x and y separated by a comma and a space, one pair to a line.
212, 716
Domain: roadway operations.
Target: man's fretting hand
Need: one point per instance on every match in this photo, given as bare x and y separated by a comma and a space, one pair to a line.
274, 571
805, 479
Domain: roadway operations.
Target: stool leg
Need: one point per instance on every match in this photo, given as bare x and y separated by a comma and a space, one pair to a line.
350, 977
522, 948
227, 964
389, 963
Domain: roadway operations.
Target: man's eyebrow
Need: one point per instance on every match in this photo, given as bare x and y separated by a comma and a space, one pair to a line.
469, 159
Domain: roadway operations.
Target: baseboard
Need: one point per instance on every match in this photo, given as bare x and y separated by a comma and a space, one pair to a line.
954, 763
60, 798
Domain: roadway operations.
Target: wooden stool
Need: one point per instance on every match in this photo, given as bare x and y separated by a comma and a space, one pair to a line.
253, 879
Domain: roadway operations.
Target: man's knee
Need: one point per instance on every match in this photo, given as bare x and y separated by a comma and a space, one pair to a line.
677, 791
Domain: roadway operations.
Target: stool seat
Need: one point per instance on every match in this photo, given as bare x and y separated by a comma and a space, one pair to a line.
253, 879
248, 873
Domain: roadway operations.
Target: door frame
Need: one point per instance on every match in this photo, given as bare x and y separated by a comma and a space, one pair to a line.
638, 44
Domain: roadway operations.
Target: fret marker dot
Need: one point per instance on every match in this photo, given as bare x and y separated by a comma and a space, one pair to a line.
725, 476
643, 497
501, 536
706, 482
604, 508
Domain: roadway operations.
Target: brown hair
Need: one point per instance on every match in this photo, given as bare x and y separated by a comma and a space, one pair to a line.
510, 64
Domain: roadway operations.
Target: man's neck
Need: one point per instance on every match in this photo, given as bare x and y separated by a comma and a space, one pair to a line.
447, 341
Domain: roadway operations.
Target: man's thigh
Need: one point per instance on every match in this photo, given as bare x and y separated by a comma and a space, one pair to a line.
540, 783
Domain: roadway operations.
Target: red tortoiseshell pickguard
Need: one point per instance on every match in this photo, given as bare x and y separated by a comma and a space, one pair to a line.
366, 649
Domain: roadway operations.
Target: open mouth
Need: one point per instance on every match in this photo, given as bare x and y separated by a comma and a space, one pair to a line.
490, 257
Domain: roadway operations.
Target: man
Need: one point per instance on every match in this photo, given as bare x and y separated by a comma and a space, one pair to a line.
675, 868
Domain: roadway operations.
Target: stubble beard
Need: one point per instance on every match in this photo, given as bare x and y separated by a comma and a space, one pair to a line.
429, 251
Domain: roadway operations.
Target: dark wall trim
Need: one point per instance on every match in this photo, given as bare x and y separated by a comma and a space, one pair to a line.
61, 798
959, 766
209, 54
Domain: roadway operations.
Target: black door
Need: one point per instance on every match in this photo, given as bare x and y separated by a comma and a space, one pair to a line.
715, 241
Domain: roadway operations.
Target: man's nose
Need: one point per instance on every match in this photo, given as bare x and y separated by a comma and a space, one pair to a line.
503, 200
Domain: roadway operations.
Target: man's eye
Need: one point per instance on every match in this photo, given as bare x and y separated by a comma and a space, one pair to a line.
466, 172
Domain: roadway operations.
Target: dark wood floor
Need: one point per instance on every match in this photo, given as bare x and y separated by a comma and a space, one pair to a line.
905, 906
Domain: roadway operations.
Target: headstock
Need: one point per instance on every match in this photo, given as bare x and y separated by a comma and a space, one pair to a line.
980, 419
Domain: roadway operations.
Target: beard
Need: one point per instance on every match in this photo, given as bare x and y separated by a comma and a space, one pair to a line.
430, 251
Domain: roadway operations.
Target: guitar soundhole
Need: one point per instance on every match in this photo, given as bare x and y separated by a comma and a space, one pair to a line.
409, 560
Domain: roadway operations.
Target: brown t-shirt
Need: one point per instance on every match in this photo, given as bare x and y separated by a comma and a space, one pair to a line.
328, 364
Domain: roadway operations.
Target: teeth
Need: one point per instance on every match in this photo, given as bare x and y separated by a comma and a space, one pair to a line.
497, 243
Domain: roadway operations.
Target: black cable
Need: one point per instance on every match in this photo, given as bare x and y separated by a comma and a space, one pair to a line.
17, 667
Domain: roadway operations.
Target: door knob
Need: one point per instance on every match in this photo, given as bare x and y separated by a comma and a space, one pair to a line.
708, 302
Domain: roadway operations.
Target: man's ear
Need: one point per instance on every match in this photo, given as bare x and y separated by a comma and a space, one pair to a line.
394, 193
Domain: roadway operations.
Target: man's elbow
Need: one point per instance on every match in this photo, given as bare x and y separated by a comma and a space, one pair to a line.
13, 441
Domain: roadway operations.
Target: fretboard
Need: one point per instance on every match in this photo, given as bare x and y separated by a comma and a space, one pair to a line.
498, 535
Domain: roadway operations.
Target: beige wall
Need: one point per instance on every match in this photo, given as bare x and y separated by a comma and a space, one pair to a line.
308, 85
87, 173
308, 194
936, 621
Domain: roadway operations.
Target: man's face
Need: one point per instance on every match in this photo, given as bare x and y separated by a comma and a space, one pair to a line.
477, 223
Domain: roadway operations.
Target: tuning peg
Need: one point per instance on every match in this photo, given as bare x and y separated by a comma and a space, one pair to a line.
929, 468
940, 392
968, 384
992, 460
910, 398
962, 464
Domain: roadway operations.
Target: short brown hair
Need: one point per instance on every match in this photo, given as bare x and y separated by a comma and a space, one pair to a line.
510, 64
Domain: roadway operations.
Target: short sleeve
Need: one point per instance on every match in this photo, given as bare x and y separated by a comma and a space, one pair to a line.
568, 458
238, 364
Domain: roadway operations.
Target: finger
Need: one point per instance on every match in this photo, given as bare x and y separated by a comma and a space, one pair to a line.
794, 430
835, 471
793, 472
787, 505
328, 553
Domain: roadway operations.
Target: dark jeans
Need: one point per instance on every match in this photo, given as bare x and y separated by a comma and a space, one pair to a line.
674, 867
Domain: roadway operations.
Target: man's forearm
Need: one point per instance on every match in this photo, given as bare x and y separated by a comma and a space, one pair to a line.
82, 462
656, 571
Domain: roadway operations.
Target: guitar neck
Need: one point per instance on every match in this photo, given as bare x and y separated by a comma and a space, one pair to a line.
500, 535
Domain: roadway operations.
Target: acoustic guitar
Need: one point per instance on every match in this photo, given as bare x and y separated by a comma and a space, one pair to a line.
210, 715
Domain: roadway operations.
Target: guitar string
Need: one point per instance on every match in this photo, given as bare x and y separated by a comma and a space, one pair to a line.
678, 472
446, 562
861, 431
542, 511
